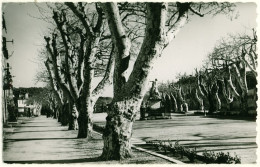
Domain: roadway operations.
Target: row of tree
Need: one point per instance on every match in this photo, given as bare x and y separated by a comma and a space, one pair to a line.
227, 75
106, 39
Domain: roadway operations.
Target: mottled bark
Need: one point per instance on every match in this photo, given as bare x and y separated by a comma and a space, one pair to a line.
128, 94
78, 87
73, 123
85, 123
118, 129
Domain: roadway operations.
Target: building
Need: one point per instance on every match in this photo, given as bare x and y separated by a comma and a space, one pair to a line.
21, 101
27, 107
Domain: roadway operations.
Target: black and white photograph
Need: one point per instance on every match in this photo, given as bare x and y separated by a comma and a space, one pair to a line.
129, 82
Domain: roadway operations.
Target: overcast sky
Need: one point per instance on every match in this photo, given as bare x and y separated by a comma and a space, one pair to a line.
185, 53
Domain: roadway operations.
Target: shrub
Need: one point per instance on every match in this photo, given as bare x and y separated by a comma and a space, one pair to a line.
207, 156
171, 147
220, 158
179, 149
191, 154
223, 158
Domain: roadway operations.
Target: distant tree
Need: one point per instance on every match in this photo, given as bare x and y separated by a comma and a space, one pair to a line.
237, 54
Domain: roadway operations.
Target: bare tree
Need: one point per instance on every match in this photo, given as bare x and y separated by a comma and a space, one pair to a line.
73, 51
237, 54
162, 24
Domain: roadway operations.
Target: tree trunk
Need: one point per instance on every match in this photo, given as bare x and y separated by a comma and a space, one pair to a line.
214, 101
200, 101
118, 130
174, 103
55, 113
129, 93
59, 111
180, 100
211, 105
64, 115
85, 123
72, 124
168, 104
244, 105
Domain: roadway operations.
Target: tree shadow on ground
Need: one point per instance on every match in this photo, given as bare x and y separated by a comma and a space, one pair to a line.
92, 159
35, 126
28, 139
33, 131
244, 118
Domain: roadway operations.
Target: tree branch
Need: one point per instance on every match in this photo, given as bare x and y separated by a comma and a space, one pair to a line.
107, 79
121, 42
52, 82
81, 15
100, 20
152, 47
196, 12
53, 52
60, 24
180, 22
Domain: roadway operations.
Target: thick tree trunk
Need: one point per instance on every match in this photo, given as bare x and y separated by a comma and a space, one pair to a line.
65, 115
85, 123
118, 130
129, 93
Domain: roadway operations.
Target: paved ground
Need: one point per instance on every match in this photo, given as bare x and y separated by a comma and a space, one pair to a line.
43, 140
215, 134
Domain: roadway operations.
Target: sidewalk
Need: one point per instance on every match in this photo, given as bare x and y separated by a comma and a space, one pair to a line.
43, 140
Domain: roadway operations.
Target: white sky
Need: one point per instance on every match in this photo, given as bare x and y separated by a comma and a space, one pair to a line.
186, 52
197, 38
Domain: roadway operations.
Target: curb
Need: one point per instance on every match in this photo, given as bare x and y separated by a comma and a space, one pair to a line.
150, 152
158, 155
